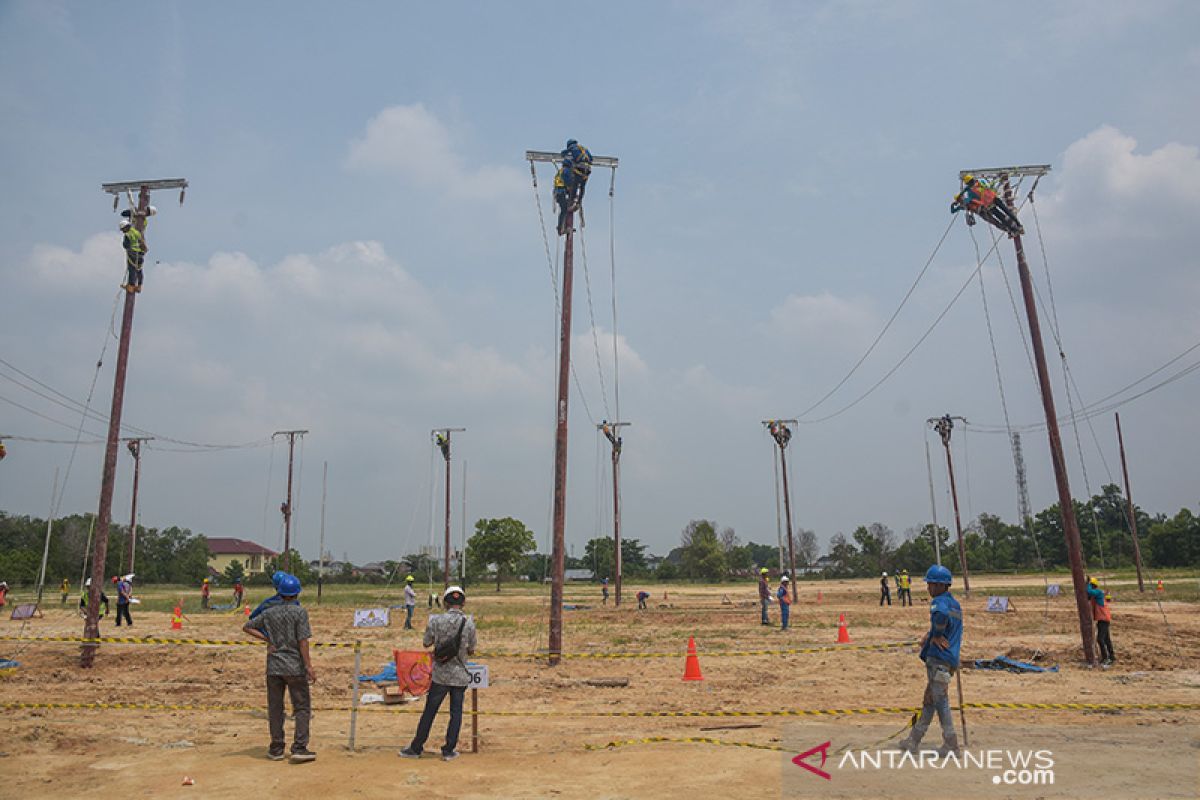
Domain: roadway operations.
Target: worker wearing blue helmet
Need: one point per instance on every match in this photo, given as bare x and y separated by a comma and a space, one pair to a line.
275, 599
940, 652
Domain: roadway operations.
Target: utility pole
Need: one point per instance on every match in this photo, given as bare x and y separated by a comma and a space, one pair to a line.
944, 425
558, 556
138, 214
321, 546
285, 508
1137, 550
612, 430
782, 434
441, 438
1065, 503
937, 534
135, 449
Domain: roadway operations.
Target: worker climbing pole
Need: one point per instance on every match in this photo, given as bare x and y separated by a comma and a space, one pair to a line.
782, 434
612, 431
1002, 175
134, 219
573, 170
979, 198
944, 426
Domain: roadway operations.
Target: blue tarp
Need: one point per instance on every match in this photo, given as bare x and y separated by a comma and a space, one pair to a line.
1011, 665
388, 673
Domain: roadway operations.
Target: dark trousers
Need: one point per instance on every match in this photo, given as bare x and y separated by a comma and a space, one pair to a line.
133, 268
1105, 642
123, 611
433, 701
884, 594
408, 611
906, 597
297, 687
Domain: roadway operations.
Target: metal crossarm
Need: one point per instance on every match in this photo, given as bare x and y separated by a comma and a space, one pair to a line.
1036, 170
131, 186
555, 158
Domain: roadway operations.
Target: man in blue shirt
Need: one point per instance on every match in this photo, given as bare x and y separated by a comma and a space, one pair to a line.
939, 651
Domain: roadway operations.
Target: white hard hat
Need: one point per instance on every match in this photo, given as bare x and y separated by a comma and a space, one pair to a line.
885, 574
452, 590
124, 223
151, 211
88, 582
783, 579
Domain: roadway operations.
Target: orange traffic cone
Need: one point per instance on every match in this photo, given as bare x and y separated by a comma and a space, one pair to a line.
843, 634
819, 597
247, 611
691, 669
177, 619
1160, 586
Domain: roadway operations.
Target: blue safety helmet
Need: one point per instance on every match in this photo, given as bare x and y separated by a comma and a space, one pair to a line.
277, 577
938, 574
571, 142
288, 586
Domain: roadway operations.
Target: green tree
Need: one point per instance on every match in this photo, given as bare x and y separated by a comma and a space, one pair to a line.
703, 553
1175, 542
876, 544
501, 542
845, 556
235, 571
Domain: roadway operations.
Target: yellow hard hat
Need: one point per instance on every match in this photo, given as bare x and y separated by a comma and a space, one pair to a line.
968, 178
1093, 582
763, 571
410, 579
206, 580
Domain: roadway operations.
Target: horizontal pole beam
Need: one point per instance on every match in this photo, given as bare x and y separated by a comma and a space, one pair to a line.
555, 158
614, 425
785, 421
129, 186
1012, 172
447, 430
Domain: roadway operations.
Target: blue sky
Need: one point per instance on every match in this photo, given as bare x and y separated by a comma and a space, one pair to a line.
359, 251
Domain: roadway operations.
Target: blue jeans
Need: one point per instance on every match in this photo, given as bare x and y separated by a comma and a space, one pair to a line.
433, 701
785, 611
765, 602
408, 611
937, 699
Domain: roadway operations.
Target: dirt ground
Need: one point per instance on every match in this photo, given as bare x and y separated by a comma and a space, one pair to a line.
542, 750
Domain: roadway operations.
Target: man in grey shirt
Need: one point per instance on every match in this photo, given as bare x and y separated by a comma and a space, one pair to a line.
450, 676
285, 629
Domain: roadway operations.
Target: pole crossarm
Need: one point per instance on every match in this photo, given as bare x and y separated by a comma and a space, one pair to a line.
1034, 170
556, 158
121, 187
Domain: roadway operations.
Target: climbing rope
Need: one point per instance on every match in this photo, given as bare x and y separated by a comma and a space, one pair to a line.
587, 282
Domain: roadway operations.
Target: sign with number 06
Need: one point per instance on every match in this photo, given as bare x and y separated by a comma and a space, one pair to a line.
479, 676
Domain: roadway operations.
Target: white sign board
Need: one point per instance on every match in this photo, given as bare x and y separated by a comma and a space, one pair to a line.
997, 605
479, 676
371, 617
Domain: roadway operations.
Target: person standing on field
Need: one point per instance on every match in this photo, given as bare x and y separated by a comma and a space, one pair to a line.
410, 601
285, 629
785, 602
204, 591
66, 590
452, 637
764, 595
1102, 613
885, 592
940, 651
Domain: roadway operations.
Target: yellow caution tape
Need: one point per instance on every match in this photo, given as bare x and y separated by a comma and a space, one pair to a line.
832, 648
685, 740
153, 640
134, 706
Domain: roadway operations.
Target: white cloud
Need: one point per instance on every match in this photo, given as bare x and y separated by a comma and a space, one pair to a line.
100, 260
822, 319
410, 141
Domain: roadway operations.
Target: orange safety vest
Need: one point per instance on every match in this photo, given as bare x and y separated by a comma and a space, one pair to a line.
1102, 613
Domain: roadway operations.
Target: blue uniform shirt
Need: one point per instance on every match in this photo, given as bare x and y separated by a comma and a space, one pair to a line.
945, 619
273, 600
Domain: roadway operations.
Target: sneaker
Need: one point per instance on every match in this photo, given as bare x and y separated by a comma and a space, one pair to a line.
950, 745
453, 754
276, 755
302, 756
907, 745
408, 752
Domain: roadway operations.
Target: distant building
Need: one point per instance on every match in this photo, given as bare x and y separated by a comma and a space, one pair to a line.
577, 574
223, 552
820, 565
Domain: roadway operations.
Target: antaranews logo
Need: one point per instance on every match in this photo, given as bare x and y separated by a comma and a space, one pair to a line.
1007, 767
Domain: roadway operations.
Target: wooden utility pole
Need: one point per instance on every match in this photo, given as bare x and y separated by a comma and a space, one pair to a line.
286, 507
321, 544
441, 438
139, 212
135, 449
944, 425
937, 536
612, 430
558, 556
1065, 502
782, 435
1137, 550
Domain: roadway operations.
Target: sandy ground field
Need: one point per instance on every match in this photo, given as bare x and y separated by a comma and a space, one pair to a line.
541, 748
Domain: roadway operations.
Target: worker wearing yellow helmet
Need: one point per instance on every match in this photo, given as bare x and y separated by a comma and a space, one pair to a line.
764, 594
204, 592
904, 588
1102, 613
410, 601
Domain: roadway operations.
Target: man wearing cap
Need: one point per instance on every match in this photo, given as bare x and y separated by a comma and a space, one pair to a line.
785, 603
410, 601
285, 629
939, 650
884, 592
764, 594
452, 637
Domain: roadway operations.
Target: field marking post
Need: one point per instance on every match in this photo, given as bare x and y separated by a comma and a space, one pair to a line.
474, 720
354, 691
